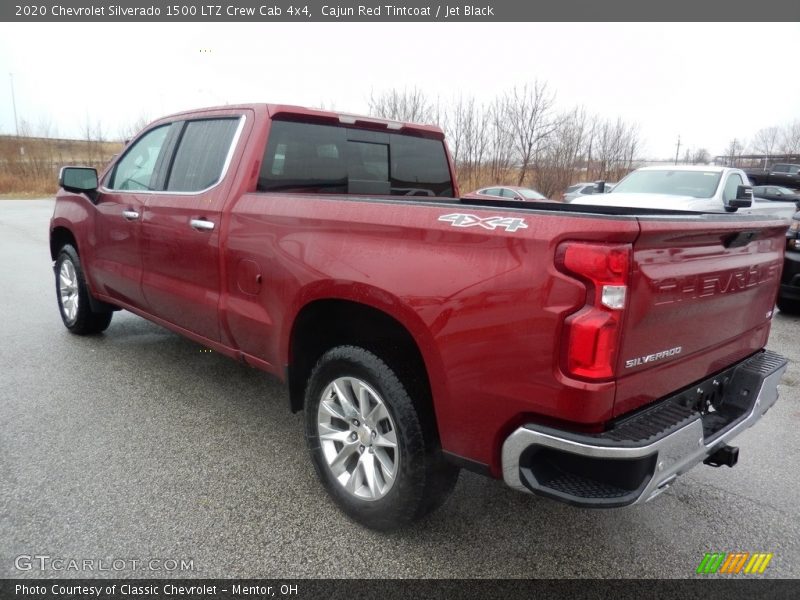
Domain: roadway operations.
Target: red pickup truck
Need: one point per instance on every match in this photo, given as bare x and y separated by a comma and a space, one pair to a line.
587, 354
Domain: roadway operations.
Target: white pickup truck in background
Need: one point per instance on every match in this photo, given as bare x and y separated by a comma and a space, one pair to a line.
693, 188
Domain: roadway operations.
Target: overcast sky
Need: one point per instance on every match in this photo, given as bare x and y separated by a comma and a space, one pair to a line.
707, 83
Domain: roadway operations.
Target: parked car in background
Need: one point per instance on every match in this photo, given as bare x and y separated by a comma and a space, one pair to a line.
780, 174
577, 190
690, 188
508, 192
775, 192
789, 294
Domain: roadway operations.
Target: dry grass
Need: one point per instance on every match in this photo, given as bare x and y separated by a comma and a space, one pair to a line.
29, 166
20, 186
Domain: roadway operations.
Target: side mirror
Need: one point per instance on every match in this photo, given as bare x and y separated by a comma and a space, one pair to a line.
744, 198
80, 180
599, 187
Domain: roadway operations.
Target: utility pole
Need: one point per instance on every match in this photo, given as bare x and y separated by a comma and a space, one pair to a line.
14, 104
678, 149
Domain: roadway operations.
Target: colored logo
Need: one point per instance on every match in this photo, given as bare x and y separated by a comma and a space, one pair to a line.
734, 563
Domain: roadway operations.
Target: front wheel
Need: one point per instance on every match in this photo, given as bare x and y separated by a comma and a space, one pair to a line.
73, 296
367, 441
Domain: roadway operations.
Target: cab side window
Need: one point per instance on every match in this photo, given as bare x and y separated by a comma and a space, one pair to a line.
729, 193
202, 151
136, 170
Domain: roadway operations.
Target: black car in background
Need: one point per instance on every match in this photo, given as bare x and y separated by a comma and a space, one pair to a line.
789, 294
781, 174
776, 192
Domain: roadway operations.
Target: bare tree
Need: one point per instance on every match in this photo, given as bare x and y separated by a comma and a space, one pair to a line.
126, 132
616, 144
766, 140
734, 152
790, 138
528, 111
499, 152
469, 132
409, 105
567, 142
700, 156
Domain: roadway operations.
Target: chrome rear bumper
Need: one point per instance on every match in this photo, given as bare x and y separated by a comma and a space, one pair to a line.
616, 469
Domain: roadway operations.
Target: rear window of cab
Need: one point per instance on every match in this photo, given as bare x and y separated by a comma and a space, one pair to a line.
316, 158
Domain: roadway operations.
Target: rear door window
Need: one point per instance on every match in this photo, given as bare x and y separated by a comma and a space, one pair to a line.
202, 151
315, 158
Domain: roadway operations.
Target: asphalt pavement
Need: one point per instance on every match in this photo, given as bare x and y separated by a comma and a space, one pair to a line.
137, 445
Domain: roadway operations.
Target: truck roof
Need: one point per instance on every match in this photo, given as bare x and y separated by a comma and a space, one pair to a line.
333, 117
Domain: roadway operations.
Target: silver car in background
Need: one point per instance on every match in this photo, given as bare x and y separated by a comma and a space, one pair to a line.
577, 190
691, 188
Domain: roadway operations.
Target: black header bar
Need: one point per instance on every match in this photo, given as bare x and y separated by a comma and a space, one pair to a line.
261, 11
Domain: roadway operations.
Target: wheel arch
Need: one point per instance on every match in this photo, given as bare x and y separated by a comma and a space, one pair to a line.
60, 236
324, 323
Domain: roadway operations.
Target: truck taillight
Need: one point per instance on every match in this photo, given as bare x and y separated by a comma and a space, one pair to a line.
592, 334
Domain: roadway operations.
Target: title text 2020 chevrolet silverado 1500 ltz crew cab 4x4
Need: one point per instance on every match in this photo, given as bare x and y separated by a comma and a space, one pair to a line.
588, 354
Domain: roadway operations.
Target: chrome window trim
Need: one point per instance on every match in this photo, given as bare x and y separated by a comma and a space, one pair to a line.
228, 159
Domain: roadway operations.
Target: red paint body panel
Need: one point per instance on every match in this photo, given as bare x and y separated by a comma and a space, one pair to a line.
485, 307
690, 291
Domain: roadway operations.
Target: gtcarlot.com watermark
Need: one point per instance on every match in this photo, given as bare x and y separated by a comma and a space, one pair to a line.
44, 562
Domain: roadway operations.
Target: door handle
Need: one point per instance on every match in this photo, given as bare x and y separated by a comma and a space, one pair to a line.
130, 215
201, 224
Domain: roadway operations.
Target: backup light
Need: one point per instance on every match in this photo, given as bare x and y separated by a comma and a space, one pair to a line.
613, 296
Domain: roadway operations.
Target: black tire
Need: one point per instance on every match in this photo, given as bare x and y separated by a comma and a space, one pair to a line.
79, 319
790, 307
423, 479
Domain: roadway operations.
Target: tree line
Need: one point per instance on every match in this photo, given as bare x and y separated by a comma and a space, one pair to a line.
520, 137
775, 140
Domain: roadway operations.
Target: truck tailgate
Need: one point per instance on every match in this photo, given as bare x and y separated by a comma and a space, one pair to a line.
701, 296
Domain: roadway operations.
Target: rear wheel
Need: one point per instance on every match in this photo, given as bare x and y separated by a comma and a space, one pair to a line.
73, 296
368, 441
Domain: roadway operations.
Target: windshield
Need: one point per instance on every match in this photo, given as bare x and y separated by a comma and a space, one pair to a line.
699, 184
531, 194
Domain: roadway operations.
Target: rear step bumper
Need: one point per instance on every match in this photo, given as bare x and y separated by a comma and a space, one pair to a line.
642, 454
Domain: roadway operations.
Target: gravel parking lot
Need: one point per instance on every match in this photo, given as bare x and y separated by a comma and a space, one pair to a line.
137, 444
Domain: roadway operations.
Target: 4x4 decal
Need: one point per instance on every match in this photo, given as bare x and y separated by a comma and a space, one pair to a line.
491, 223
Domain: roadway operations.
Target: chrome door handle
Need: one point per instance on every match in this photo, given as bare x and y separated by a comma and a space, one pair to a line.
201, 224
130, 215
